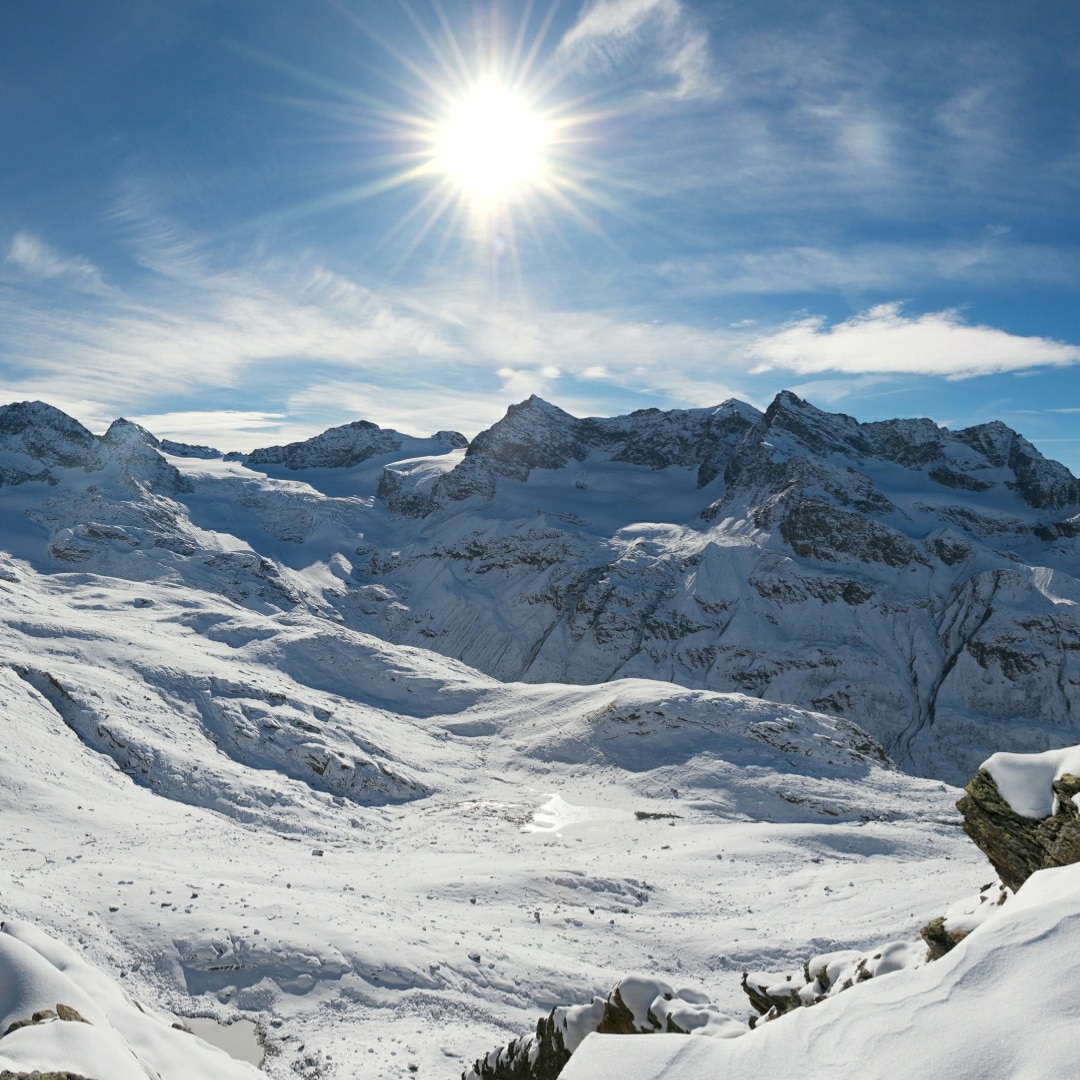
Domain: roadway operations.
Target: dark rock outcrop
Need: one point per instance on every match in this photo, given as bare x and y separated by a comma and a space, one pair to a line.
939, 939
535, 1057
635, 1006
7, 1074
1016, 845
61, 1012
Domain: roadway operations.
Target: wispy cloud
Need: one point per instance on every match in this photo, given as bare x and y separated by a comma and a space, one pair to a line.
885, 340
30, 257
289, 348
661, 38
992, 257
190, 326
225, 429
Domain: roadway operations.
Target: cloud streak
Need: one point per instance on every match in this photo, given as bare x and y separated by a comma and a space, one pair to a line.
292, 348
36, 260
884, 340
658, 37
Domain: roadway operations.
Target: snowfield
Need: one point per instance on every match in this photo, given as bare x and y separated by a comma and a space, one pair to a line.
387, 859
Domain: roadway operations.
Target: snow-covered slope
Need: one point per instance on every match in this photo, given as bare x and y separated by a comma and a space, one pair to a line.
1004, 1003
233, 782
386, 858
920, 581
57, 1013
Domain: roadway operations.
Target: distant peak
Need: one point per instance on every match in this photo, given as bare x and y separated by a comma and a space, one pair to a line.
21, 415
127, 431
532, 402
532, 410
453, 439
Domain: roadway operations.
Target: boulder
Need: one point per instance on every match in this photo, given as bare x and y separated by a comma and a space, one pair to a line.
1018, 845
636, 1006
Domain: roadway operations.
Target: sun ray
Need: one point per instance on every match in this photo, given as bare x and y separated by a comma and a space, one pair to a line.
513, 62
525, 69
490, 132
451, 39
433, 219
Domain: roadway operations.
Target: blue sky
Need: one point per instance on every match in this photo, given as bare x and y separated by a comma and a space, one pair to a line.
235, 222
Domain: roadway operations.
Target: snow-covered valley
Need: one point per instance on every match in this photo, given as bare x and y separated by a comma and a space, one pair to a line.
264, 754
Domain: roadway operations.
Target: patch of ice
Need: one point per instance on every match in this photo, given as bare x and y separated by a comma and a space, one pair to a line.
557, 813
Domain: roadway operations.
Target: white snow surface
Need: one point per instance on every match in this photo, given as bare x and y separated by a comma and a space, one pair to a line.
385, 858
923, 582
1024, 780
1004, 1003
119, 1039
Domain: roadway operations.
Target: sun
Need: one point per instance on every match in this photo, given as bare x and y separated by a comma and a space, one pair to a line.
495, 139
492, 145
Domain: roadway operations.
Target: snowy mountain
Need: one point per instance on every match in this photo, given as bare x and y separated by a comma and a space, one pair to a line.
393, 744
918, 581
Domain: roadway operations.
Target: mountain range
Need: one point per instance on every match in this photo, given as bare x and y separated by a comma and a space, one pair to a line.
920, 582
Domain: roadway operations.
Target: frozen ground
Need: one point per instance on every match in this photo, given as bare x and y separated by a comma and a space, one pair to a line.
389, 860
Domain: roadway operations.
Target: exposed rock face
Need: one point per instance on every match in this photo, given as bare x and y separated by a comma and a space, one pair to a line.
1016, 845
635, 1006
188, 450
36, 438
136, 451
347, 446
912, 578
533, 1057
537, 435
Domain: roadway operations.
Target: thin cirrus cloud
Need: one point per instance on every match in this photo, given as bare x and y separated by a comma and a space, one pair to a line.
990, 257
31, 258
217, 427
660, 36
884, 340
191, 326
210, 331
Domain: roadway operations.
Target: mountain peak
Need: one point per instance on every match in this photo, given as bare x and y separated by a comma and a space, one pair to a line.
42, 437
127, 432
339, 447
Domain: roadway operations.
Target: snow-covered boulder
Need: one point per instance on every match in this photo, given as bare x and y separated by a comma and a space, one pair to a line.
830, 974
1022, 811
1004, 1003
637, 1005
